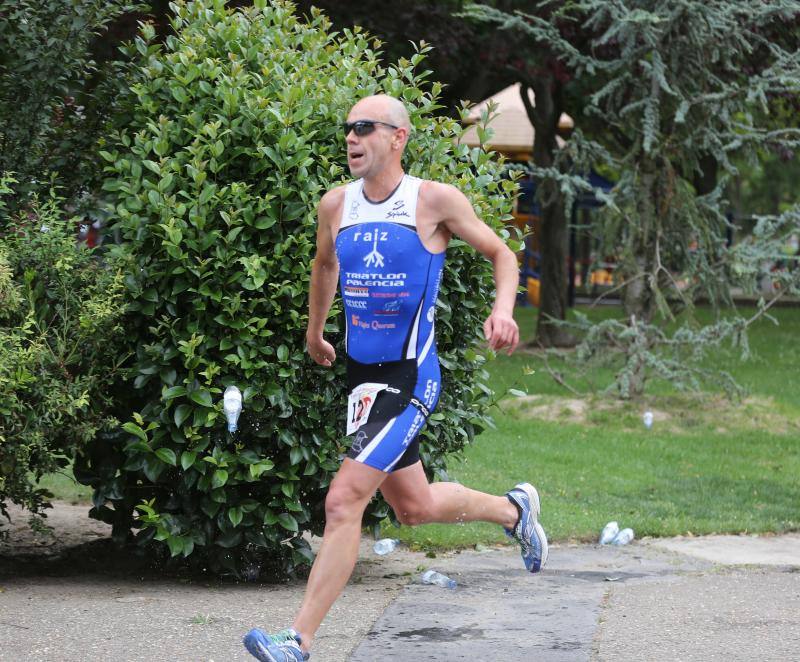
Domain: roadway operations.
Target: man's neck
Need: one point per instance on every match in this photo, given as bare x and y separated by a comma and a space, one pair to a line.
381, 187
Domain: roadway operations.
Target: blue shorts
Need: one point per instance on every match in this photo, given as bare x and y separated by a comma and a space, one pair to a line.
389, 440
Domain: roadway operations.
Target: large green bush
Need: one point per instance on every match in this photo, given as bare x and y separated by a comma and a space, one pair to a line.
60, 335
236, 135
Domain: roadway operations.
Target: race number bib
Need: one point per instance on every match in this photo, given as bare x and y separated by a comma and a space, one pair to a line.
359, 404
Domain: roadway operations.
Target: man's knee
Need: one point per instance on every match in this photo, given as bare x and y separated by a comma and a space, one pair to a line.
343, 502
412, 513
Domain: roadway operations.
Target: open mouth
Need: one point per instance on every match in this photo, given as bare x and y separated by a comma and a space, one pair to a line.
355, 156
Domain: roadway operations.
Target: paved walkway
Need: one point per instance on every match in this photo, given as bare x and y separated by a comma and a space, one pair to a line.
714, 598
677, 599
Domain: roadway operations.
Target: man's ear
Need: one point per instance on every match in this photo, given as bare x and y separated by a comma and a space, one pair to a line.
399, 144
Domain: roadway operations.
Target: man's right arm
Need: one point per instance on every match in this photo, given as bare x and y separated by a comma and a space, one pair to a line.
324, 277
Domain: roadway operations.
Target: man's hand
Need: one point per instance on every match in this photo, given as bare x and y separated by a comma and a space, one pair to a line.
501, 331
321, 351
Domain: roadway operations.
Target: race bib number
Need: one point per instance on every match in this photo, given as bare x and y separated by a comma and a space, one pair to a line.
359, 404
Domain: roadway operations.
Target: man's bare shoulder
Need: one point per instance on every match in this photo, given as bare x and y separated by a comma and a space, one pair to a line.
437, 193
331, 203
442, 200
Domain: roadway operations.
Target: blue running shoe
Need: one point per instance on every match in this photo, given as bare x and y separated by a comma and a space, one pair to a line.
528, 531
281, 647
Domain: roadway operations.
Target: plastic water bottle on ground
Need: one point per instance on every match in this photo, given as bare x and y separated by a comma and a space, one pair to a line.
609, 532
623, 537
647, 419
384, 546
433, 577
232, 405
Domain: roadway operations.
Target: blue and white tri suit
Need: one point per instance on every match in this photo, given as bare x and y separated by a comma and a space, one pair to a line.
389, 282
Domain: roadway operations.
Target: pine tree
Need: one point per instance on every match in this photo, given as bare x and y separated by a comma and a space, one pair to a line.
683, 88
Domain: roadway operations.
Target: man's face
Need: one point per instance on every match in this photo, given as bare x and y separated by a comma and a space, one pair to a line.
367, 154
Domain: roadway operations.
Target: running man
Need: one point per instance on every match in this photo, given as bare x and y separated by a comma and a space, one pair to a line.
383, 237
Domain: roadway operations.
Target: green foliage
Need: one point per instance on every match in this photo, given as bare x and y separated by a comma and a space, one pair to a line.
234, 138
683, 89
54, 99
770, 186
674, 356
736, 463
674, 89
60, 312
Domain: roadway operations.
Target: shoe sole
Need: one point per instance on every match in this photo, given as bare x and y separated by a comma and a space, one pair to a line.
542, 545
533, 497
257, 649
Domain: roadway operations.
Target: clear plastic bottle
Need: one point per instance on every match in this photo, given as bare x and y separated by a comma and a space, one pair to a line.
623, 537
232, 405
609, 532
647, 419
433, 577
385, 546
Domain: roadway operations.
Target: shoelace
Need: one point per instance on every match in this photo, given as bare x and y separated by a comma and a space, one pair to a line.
283, 636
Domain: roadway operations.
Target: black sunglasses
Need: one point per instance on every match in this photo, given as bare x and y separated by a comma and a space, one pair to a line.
364, 127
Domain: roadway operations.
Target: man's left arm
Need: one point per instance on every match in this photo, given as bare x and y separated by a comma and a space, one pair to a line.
459, 217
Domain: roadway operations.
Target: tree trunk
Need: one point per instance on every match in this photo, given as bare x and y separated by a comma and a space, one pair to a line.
553, 292
553, 240
638, 298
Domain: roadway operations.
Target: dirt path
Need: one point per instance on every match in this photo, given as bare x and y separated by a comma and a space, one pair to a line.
71, 526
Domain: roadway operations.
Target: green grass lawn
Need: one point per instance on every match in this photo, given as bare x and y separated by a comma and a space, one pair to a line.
709, 466
65, 488
706, 466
